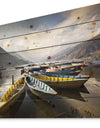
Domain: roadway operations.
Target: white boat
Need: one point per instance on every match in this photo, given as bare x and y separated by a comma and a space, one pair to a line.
39, 88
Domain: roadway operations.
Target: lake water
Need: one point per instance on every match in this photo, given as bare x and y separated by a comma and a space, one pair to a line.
80, 103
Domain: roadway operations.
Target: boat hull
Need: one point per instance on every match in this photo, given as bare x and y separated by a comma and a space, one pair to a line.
5, 105
39, 88
62, 82
63, 73
40, 93
65, 84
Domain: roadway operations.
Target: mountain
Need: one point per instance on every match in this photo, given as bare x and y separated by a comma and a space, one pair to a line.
86, 49
9, 60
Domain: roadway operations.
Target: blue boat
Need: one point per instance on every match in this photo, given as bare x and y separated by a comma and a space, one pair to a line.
64, 72
39, 88
97, 65
66, 76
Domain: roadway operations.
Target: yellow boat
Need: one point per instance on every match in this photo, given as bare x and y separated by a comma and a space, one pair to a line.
12, 95
61, 81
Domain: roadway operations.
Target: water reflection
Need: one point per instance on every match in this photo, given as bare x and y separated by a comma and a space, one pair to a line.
31, 106
55, 108
13, 109
27, 108
72, 93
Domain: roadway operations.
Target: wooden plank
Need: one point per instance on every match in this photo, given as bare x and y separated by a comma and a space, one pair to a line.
47, 39
34, 56
72, 17
37, 41
67, 35
67, 52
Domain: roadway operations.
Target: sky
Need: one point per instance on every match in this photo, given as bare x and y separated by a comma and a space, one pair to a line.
75, 33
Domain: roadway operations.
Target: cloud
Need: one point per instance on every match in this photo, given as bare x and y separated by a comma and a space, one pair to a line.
55, 37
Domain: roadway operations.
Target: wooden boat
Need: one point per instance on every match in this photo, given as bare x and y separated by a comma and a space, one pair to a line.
64, 72
44, 66
12, 95
34, 68
39, 88
62, 82
67, 76
96, 64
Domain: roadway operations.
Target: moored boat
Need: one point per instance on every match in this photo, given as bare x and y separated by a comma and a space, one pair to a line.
12, 94
62, 82
39, 88
95, 64
67, 76
64, 72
